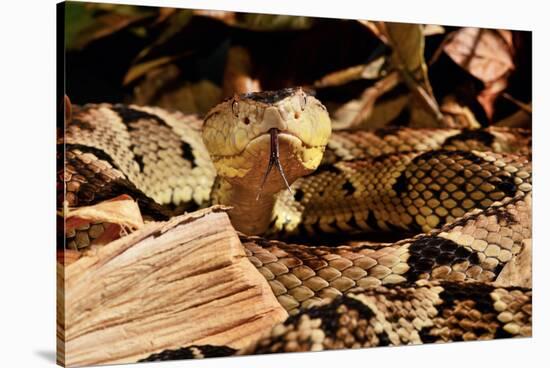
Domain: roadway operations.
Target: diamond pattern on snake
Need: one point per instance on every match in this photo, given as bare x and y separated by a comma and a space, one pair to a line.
460, 199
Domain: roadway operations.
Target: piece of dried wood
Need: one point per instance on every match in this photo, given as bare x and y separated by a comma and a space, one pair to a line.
519, 271
167, 285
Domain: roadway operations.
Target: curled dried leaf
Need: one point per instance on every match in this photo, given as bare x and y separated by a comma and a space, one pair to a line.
484, 53
407, 42
373, 70
272, 22
139, 70
432, 29
237, 77
377, 28
175, 22
90, 22
519, 119
163, 87
354, 113
116, 216
457, 115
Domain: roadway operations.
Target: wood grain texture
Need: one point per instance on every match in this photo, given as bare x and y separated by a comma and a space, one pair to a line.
171, 284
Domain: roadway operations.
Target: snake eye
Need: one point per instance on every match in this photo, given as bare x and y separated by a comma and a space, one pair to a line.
235, 108
303, 102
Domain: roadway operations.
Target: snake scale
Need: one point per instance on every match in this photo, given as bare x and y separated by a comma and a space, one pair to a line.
462, 199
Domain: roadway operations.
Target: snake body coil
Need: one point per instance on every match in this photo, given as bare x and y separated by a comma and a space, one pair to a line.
466, 194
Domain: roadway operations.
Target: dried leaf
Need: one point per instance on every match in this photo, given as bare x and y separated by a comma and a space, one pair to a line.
519, 271
519, 119
164, 87
407, 42
258, 22
139, 70
522, 105
422, 118
85, 23
373, 70
196, 98
352, 114
68, 109
164, 14
237, 74
458, 116
484, 53
176, 21
227, 17
487, 55
377, 28
488, 96
117, 215
384, 112
272, 22
120, 210
432, 29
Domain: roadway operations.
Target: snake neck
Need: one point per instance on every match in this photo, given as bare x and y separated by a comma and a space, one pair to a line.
249, 215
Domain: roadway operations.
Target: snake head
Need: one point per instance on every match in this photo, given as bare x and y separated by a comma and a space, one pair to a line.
238, 135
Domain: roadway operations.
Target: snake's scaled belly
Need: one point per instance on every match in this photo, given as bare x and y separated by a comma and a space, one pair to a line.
467, 193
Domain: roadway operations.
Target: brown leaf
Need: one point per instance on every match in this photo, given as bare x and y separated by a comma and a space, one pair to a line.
484, 53
237, 74
164, 14
432, 29
487, 55
175, 22
519, 271
373, 70
139, 70
105, 25
258, 22
352, 114
117, 215
488, 96
68, 109
164, 87
227, 17
407, 42
272, 22
519, 119
457, 115
377, 28
385, 111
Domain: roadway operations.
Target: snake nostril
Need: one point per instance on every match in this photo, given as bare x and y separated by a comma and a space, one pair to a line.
235, 108
303, 103
296, 115
247, 120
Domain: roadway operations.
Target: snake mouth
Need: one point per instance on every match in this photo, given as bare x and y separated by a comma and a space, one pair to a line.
280, 134
275, 135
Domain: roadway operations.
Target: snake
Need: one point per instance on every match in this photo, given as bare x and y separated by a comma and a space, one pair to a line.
310, 204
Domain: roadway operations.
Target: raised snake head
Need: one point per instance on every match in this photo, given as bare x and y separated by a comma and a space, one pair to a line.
243, 133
